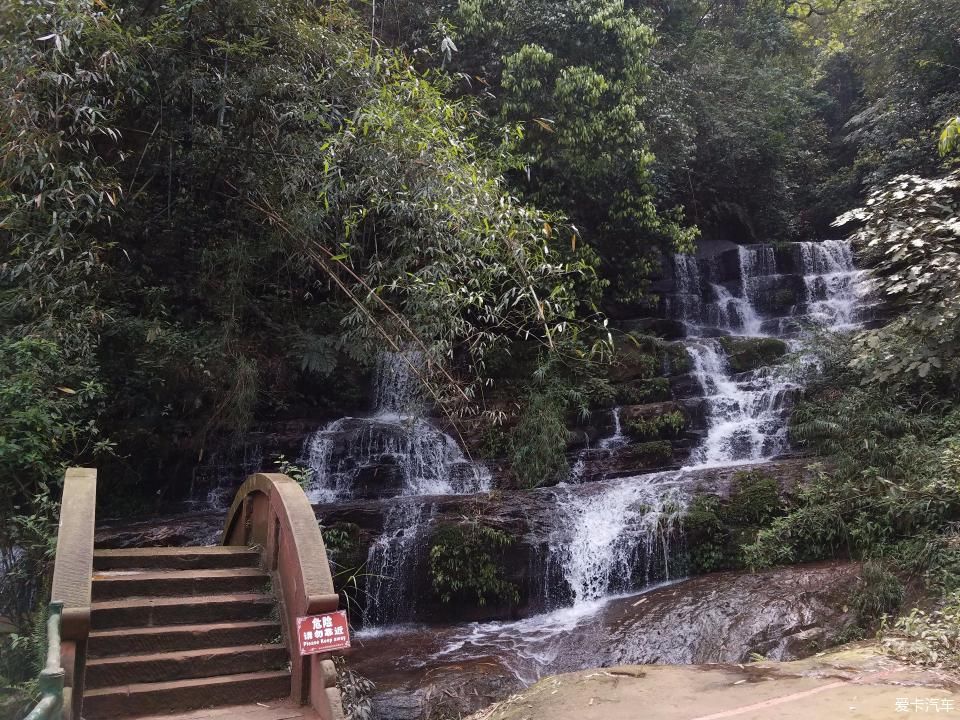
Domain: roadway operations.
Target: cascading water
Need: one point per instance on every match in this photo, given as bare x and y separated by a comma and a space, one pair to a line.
835, 289
215, 482
395, 554
395, 451
605, 447
618, 439
782, 291
745, 415
614, 536
620, 537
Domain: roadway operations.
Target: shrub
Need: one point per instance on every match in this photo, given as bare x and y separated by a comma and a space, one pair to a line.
466, 564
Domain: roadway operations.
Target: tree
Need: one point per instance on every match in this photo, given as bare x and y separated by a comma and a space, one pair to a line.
575, 75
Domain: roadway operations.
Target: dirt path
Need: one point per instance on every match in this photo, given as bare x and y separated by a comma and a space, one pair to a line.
855, 682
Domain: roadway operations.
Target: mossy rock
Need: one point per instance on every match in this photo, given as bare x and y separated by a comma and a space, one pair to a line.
718, 529
660, 426
784, 299
641, 392
631, 362
652, 454
676, 359
746, 354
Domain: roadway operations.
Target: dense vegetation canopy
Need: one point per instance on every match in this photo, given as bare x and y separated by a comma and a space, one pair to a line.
216, 213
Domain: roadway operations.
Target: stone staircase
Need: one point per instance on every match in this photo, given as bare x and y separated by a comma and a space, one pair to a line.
177, 629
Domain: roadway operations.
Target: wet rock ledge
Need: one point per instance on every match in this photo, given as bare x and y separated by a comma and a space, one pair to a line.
728, 617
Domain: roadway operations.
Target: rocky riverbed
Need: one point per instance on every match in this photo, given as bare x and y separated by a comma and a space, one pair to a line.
781, 614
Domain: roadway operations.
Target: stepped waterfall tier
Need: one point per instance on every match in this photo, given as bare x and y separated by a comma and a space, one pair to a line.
608, 533
393, 487
409, 455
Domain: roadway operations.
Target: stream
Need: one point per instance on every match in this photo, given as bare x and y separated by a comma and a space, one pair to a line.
602, 550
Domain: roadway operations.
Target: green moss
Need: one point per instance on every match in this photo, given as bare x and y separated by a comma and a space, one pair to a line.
642, 392
653, 454
466, 564
658, 427
745, 354
633, 364
718, 530
676, 359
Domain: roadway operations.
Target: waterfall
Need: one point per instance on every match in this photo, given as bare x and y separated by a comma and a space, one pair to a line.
745, 416
747, 413
621, 536
216, 480
688, 297
617, 439
739, 296
834, 287
755, 262
605, 448
397, 387
391, 566
394, 452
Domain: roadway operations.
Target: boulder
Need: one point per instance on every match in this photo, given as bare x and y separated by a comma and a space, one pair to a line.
746, 354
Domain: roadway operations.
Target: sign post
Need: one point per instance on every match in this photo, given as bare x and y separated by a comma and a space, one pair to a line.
323, 633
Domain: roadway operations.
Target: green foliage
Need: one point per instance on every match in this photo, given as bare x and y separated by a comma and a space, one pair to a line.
50, 403
300, 474
341, 538
356, 691
719, 530
466, 564
644, 391
652, 454
735, 118
576, 77
539, 441
950, 136
926, 638
888, 485
279, 198
911, 239
878, 594
656, 427
706, 536
754, 499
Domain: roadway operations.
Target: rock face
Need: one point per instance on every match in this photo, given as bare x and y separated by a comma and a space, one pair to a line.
726, 617
783, 613
187, 530
407, 524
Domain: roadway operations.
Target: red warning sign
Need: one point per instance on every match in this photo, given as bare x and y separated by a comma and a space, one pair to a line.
323, 633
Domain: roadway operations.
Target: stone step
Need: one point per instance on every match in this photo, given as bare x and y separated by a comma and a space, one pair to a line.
184, 665
115, 584
145, 612
167, 638
130, 701
164, 558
